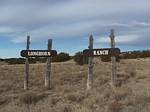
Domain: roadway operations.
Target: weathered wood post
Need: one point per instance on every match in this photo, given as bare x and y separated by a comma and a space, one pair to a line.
113, 59
26, 79
90, 64
48, 71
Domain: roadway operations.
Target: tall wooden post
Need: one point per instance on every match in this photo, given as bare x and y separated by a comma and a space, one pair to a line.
26, 79
48, 72
113, 59
90, 63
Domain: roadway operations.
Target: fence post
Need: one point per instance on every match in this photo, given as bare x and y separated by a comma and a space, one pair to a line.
113, 59
26, 79
90, 64
48, 71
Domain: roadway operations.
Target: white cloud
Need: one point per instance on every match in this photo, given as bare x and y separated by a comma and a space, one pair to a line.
140, 23
73, 18
6, 29
122, 39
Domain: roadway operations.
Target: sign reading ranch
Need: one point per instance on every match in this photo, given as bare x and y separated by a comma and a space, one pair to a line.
102, 52
38, 53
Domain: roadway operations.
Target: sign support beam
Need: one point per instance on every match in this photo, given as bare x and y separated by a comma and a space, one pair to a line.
48, 71
90, 64
26, 79
113, 59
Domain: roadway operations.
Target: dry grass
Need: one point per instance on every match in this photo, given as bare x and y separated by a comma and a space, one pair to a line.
69, 94
31, 98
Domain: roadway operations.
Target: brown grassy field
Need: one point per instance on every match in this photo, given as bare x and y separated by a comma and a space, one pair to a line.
68, 92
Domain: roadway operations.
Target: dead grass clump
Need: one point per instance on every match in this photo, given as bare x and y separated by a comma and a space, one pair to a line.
5, 86
115, 107
3, 100
77, 97
120, 95
142, 99
81, 98
82, 109
31, 98
66, 89
137, 100
147, 96
71, 97
54, 100
65, 108
103, 81
131, 71
136, 103
141, 77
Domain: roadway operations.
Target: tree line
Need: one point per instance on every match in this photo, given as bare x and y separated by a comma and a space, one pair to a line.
79, 58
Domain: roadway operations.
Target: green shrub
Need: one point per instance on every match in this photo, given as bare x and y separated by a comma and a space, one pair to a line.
80, 59
61, 57
1, 59
15, 61
108, 59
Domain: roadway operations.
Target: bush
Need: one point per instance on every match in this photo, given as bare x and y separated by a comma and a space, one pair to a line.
31, 98
135, 54
80, 59
1, 59
108, 59
15, 61
114, 107
61, 57
32, 60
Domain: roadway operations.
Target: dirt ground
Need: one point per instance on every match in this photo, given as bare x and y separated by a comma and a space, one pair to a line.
68, 92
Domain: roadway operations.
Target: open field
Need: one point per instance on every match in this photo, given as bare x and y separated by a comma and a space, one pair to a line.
68, 92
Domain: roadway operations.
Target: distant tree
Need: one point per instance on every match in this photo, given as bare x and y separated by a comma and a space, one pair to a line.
145, 54
61, 57
135, 54
32, 60
15, 60
80, 59
1, 59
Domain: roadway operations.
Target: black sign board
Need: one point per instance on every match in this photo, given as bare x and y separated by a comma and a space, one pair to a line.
38, 53
101, 52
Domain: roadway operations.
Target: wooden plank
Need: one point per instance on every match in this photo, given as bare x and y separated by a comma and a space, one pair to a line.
38, 53
101, 52
90, 63
26, 79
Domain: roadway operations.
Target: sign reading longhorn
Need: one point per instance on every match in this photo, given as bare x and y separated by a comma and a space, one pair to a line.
101, 52
38, 53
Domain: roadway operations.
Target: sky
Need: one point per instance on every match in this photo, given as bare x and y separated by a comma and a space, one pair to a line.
70, 23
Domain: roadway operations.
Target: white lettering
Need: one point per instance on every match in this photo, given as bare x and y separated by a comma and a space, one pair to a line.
34, 53
100, 52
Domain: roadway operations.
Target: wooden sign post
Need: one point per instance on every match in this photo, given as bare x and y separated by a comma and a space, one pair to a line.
90, 62
38, 53
113, 59
109, 52
48, 71
26, 79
